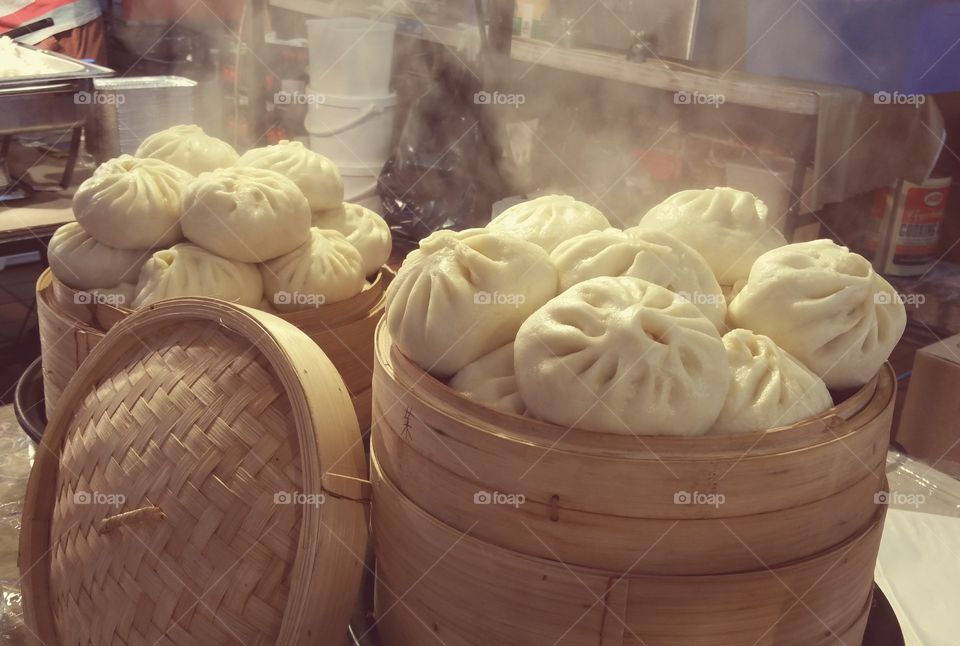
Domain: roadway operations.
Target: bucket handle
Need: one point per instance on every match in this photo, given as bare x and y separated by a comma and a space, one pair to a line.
352, 123
367, 192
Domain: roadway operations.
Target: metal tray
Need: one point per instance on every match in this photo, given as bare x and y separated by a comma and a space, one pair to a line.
70, 70
133, 83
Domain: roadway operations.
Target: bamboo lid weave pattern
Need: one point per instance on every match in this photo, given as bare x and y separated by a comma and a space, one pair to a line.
201, 482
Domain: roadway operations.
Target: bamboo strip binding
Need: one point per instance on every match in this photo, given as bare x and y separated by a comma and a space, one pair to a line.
197, 414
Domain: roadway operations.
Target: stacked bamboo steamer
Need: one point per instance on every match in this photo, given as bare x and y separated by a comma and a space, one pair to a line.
598, 544
248, 221
492, 527
71, 324
202, 482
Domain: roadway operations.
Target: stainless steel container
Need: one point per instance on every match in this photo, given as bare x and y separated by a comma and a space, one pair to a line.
59, 98
130, 109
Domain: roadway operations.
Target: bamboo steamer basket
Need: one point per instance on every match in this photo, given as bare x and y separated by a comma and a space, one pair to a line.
71, 325
604, 501
201, 482
756, 538
440, 585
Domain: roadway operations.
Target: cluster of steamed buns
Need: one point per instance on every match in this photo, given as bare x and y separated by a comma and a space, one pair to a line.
188, 216
701, 319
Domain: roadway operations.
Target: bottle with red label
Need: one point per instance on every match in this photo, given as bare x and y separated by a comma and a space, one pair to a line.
907, 220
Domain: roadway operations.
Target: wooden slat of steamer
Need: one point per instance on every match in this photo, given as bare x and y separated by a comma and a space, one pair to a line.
608, 484
851, 636
315, 319
614, 541
346, 339
399, 625
332, 315
64, 342
462, 588
326, 567
800, 603
438, 396
529, 602
350, 347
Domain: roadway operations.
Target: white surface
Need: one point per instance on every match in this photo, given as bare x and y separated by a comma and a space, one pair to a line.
354, 128
20, 61
272, 38
770, 180
350, 56
360, 182
919, 570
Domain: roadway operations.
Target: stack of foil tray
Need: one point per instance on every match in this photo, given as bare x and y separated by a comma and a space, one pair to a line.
130, 109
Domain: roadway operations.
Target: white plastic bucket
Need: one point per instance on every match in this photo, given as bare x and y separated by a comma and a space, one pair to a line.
350, 128
770, 182
360, 183
350, 56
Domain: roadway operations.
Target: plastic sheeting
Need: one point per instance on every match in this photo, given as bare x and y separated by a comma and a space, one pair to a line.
16, 457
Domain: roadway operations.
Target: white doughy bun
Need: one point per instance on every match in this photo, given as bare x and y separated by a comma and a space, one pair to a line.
654, 256
120, 296
491, 380
79, 261
365, 230
824, 305
464, 294
188, 270
730, 228
622, 355
768, 387
131, 203
188, 147
326, 269
549, 220
246, 214
315, 175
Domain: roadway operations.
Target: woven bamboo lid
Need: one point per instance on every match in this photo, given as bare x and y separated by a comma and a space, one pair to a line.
201, 482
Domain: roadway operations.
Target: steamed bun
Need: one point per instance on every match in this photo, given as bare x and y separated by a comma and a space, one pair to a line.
730, 228
491, 380
463, 294
121, 295
246, 214
326, 269
79, 261
549, 220
654, 256
188, 148
825, 306
315, 175
188, 270
622, 355
768, 387
365, 230
131, 203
